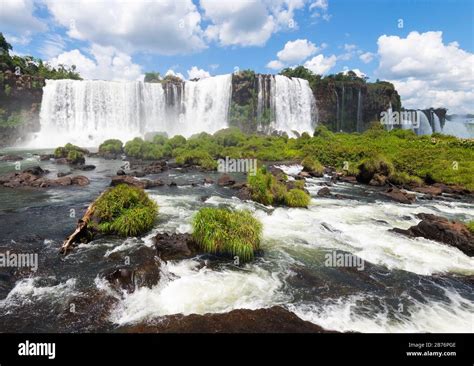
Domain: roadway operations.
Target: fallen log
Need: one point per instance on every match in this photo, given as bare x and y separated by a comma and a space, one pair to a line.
81, 228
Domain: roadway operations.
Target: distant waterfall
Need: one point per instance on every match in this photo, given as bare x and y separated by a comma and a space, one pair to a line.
425, 127
436, 123
359, 111
88, 112
295, 105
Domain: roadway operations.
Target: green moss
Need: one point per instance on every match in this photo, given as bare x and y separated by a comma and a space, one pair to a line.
140, 149
125, 211
297, 198
196, 157
111, 146
74, 154
75, 157
222, 231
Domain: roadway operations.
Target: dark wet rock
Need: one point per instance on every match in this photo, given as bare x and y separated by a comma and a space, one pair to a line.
35, 170
84, 167
378, 180
367, 172
225, 180
34, 177
121, 172
46, 157
61, 161
324, 192
452, 189
271, 320
155, 167
305, 175
208, 180
88, 311
142, 269
138, 173
63, 174
239, 185
175, 246
399, 195
347, 179
11, 158
131, 181
428, 190
172, 184
443, 230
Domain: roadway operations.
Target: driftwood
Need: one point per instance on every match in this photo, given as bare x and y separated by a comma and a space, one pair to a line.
81, 228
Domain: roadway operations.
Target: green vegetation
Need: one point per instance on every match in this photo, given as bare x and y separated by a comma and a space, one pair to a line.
403, 179
196, 157
222, 231
297, 198
312, 165
74, 154
470, 226
374, 165
267, 190
147, 150
125, 211
111, 146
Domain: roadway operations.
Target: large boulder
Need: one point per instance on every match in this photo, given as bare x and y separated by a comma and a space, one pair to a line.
131, 181
399, 195
271, 320
443, 230
175, 246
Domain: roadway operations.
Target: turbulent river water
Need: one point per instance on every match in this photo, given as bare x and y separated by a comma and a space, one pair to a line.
407, 285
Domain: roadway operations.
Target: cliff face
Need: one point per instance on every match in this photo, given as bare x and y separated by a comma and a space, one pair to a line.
20, 101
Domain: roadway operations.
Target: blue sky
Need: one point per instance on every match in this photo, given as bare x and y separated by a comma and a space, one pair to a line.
430, 59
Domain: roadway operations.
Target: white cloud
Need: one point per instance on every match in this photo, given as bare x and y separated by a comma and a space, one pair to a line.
173, 73
275, 65
321, 64
359, 73
52, 46
165, 27
320, 9
17, 19
296, 51
107, 64
427, 72
195, 73
248, 23
367, 57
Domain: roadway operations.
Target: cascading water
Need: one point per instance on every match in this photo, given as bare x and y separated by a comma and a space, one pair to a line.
436, 123
295, 105
88, 112
359, 111
425, 127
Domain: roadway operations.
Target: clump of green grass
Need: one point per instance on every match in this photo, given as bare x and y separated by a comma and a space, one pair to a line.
312, 165
222, 231
374, 165
297, 198
111, 146
125, 210
402, 178
470, 226
140, 149
74, 154
197, 157
260, 186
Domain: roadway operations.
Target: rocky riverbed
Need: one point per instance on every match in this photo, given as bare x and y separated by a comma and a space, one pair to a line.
412, 278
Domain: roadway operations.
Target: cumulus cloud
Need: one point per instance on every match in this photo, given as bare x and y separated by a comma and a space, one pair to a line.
174, 73
17, 19
321, 64
367, 57
248, 23
359, 73
427, 72
320, 9
195, 73
106, 64
166, 27
293, 52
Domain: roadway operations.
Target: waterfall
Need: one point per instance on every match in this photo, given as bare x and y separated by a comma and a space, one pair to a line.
90, 111
436, 123
425, 127
265, 102
295, 105
458, 129
359, 112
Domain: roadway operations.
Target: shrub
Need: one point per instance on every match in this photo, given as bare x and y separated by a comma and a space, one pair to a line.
125, 210
74, 154
196, 157
111, 146
75, 157
312, 165
176, 141
470, 226
222, 231
139, 149
260, 186
374, 165
297, 198
402, 178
